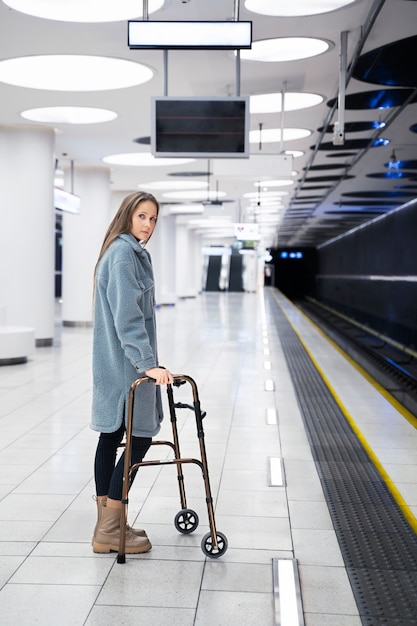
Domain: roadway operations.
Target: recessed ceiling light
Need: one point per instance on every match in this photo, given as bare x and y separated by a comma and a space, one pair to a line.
295, 153
194, 195
82, 11
159, 185
270, 135
284, 8
267, 219
274, 183
269, 210
293, 101
188, 209
69, 115
266, 202
264, 194
144, 159
284, 49
67, 72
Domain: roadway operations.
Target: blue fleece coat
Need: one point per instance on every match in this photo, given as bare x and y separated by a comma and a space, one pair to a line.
124, 339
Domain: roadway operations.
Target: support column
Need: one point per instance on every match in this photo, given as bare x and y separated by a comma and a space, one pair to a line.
82, 236
162, 247
27, 228
187, 270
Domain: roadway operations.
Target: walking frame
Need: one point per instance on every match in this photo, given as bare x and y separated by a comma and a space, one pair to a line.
214, 544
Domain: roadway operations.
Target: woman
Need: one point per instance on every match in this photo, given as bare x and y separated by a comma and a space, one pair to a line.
124, 349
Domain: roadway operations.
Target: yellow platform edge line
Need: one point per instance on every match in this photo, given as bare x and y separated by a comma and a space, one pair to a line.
408, 514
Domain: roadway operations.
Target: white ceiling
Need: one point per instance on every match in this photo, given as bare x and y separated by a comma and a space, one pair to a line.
213, 73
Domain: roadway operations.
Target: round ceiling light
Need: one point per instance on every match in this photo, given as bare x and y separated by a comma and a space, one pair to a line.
141, 159
67, 72
194, 195
161, 185
82, 11
284, 49
264, 194
271, 135
274, 183
294, 153
293, 101
283, 8
69, 115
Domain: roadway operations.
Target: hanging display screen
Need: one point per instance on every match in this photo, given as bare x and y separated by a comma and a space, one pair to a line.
200, 127
227, 35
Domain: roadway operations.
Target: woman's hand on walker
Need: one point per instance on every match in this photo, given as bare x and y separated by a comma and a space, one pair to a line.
161, 375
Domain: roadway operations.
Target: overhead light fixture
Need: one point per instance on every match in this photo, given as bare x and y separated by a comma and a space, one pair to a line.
265, 194
284, 49
69, 115
268, 219
142, 159
71, 72
195, 195
82, 11
270, 202
271, 135
293, 101
274, 183
186, 209
283, 8
228, 35
160, 185
269, 210
393, 162
294, 153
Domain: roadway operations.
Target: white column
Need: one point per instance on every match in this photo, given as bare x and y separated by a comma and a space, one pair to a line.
27, 232
187, 270
181, 259
162, 247
198, 260
82, 237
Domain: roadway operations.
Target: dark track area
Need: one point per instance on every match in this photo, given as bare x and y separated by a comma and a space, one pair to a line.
394, 367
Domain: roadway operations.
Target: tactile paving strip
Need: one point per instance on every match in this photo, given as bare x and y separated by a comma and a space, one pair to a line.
378, 545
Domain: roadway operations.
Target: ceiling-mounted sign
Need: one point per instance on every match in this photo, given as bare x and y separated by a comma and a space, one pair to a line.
230, 35
66, 201
249, 231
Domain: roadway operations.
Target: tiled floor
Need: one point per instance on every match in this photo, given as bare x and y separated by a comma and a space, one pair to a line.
228, 344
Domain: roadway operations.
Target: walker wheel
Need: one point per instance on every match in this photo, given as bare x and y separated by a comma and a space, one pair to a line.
210, 549
186, 521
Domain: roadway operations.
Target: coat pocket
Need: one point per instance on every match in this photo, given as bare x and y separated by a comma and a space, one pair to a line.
147, 301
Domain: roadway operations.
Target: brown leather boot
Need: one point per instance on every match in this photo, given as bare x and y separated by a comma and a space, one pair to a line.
107, 535
101, 502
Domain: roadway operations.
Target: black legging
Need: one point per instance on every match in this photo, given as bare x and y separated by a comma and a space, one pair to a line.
108, 475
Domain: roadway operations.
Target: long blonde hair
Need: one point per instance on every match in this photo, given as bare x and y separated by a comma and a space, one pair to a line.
122, 220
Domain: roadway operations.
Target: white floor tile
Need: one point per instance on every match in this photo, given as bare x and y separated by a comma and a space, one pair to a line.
49, 605
225, 608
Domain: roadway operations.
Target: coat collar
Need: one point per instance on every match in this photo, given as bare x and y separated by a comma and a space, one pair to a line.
133, 242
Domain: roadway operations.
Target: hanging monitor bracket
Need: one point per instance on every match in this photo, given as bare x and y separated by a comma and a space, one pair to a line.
339, 126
